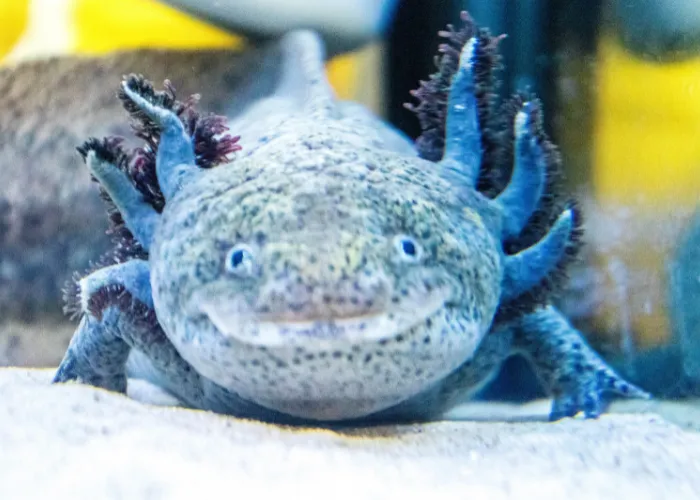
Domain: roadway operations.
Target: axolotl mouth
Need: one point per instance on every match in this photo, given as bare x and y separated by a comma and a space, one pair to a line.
233, 320
326, 368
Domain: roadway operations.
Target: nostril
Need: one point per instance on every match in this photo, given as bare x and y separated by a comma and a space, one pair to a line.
296, 306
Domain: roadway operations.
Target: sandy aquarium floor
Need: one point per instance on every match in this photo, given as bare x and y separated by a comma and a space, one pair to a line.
77, 442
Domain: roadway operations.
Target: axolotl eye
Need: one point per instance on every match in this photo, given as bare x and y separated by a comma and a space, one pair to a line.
239, 260
407, 248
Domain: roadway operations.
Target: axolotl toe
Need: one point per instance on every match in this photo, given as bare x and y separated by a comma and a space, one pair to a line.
321, 267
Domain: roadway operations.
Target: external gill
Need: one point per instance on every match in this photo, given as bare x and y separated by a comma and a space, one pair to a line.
139, 216
461, 164
175, 159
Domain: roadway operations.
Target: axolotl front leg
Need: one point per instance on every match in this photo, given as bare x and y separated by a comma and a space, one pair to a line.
118, 317
570, 370
116, 301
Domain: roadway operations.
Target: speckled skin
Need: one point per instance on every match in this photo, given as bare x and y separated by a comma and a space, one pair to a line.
329, 273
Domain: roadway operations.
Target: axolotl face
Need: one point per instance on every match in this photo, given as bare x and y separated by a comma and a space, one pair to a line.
328, 290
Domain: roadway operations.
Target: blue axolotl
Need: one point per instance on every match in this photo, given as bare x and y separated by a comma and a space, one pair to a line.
331, 270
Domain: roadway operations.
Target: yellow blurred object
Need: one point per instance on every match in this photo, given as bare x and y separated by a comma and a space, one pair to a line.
647, 133
103, 26
34, 29
14, 15
44, 28
646, 163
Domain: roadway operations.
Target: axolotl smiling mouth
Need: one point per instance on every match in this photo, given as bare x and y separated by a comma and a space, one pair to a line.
233, 318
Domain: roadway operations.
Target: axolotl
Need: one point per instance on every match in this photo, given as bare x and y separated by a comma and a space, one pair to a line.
321, 267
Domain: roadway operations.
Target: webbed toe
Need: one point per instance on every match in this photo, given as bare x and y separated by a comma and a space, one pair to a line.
586, 387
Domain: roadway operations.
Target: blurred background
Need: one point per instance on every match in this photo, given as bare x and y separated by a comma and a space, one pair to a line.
619, 79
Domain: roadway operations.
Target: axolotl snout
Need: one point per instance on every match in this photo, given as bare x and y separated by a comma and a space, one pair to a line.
330, 271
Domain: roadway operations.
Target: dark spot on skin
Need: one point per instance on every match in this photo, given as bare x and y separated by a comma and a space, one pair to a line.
426, 340
337, 354
368, 358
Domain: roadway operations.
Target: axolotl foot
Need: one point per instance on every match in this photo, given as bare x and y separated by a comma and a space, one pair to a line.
572, 373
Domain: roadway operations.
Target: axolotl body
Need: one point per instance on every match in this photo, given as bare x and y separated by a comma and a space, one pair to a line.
332, 270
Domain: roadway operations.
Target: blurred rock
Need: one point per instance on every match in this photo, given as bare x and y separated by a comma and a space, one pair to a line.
665, 30
52, 221
344, 24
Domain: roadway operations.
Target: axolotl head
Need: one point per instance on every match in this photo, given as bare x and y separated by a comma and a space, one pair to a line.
329, 292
